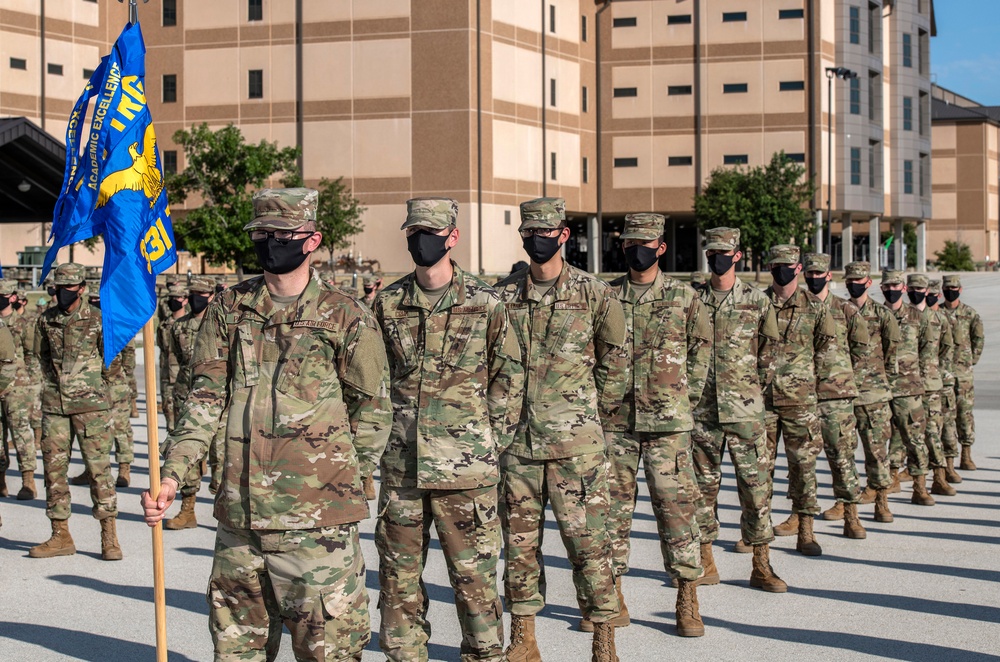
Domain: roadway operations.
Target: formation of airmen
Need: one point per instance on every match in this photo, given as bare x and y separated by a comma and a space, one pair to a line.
480, 405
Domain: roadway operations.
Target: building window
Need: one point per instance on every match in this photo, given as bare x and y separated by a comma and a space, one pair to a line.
679, 19
792, 85
855, 96
872, 163
169, 88
624, 22
87, 73
733, 16
907, 113
627, 163
170, 161
678, 90
855, 166
735, 159
506, 217
584, 99
796, 157
873, 89
585, 170
255, 85
874, 26
626, 92
908, 177
734, 88
907, 50
791, 13
583, 29
255, 10
18, 63
169, 13
55, 69
552, 92
552, 19
679, 160
552, 166
924, 169
854, 25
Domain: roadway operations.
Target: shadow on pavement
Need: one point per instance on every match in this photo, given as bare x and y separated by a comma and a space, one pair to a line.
910, 604
179, 599
929, 568
81, 645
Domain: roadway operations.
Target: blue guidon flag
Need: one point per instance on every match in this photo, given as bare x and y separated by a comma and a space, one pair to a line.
113, 186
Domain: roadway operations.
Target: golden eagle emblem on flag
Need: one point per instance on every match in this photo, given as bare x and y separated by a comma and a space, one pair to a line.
143, 175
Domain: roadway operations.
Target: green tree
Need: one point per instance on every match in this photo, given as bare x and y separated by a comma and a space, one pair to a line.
955, 256
224, 170
769, 205
338, 213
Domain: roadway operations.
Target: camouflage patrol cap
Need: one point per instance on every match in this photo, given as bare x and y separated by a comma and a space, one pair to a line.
177, 290
543, 213
173, 279
436, 213
816, 262
934, 287
70, 273
783, 254
857, 271
893, 277
644, 227
371, 279
202, 285
7, 286
722, 239
952, 281
93, 285
917, 280
700, 277
283, 208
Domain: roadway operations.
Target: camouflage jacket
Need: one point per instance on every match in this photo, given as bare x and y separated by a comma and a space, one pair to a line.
741, 366
183, 333
457, 384
907, 380
872, 373
836, 378
301, 391
23, 330
168, 361
70, 349
670, 337
947, 359
576, 362
936, 348
967, 331
8, 358
121, 373
806, 330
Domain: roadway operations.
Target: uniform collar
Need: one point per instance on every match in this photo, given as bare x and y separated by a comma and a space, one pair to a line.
628, 292
259, 302
413, 296
561, 289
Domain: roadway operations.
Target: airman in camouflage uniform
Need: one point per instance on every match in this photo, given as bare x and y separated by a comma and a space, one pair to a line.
871, 408
731, 409
176, 302
836, 391
670, 338
908, 417
571, 330
16, 401
296, 370
457, 386
807, 331
372, 285
163, 310
8, 363
969, 338
28, 316
700, 280
949, 433
69, 341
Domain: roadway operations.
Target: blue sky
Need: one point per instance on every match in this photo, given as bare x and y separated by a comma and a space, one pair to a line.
965, 56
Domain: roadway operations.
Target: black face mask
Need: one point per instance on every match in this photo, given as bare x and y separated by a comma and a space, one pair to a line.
892, 296
51, 291
932, 300
280, 258
4, 303
951, 295
18, 305
174, 305
219, 288
640, 258
427, 248
95, 302
720, 263
783, 274
199, 302
65, 298
916, 298
540, 249
369, 290
815, 283
856, 289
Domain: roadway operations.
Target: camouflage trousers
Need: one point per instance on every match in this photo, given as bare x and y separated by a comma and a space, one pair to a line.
577, 488
949, 426
673, 490
124, 435
310, 581
468, 526
747, 442
932, 429
875, 430
167, 404
840, 442
800, 430
94, 434
15, 410
965, 401
908, 434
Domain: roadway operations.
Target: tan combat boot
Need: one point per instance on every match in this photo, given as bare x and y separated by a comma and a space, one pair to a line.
82, 479
689, 623
38, 437
603, 648
894, 487
834, 514
60, 544
110, 551
868, 496
134, 413
124, 475
185, 519
742, 548
3, 485
940, 484
967, 464
789, 527
27, 492
622, 620
711, 574
763, 576
920, 496
852, 525
882, 513
523, 645
369, 487
904, 476
950, 473
806, 544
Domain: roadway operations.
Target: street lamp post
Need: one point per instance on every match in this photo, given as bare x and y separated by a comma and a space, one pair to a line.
842, 73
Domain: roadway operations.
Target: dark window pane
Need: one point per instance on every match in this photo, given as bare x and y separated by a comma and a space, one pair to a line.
584, 99
18, 63
256, 84
626, 92
552, 92
791, 13
170, 161
907, 50
855, 25
735, 159
679, 19
676, 90
169, 88
855, 166
87, 73
169, 13
908, 177
679, 161
552, 18
792, 85
583, 28
255, 10
627, 163
55, 69
624, 22
907, 113
732, 16
855, 96
552, 165
585, 170
734, 88
796, 157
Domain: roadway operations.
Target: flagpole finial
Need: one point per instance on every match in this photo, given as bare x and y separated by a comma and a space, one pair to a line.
133, 10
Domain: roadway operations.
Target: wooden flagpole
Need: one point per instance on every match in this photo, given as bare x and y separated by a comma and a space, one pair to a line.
159, 584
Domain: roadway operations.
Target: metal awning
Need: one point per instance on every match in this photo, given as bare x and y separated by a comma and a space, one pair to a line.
33, 160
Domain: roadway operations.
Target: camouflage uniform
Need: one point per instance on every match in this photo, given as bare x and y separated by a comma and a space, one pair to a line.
731, 409
372, 281
168, 360
457, 386
8, 363
670, 337
572, 338
700, 280
17, 401
122, 374
301, 389
969, 339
